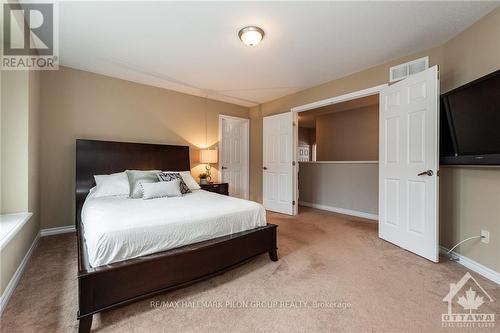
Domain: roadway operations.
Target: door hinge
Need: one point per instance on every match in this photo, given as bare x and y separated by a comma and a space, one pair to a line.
293, 163
293, 203
293, 123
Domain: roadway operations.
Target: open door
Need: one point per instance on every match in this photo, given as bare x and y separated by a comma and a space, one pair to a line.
408, 164
278, 163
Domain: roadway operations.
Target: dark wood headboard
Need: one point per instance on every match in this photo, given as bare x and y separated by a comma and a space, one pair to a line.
104, 157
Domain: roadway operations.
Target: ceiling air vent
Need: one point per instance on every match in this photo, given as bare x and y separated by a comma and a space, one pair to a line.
402, 71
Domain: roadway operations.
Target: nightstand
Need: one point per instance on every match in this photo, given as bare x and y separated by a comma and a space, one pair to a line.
221, 188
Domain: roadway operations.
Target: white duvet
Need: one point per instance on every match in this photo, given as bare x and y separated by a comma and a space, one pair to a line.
119, 228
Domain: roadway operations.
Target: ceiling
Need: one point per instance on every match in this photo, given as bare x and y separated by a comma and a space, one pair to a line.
193, 47
308, 118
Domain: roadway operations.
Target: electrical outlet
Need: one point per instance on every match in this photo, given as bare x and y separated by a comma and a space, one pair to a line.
485, 236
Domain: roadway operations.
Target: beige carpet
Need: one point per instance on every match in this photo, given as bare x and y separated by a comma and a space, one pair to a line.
363, 284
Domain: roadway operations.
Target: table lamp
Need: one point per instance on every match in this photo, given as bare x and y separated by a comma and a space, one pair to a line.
208, 156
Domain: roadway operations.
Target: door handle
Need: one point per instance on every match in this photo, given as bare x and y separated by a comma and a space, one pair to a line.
426, 173
265, 168
224, 168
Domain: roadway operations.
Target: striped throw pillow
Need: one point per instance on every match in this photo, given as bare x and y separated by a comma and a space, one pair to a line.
169, 176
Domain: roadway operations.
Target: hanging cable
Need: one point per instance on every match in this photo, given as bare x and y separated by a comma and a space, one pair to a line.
454, 247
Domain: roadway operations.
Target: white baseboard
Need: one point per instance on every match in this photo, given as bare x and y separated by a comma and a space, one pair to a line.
57, 231
473, 265
9, 290
340, 210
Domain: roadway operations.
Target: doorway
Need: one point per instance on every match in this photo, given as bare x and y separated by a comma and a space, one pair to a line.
408, 186
342, 174
332, 158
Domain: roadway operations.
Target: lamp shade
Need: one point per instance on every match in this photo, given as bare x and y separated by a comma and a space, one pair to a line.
208, 156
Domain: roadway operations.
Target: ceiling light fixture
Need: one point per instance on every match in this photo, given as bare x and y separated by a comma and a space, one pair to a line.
251, 35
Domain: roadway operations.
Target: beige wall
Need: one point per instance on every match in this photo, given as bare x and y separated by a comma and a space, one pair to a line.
34, 144
470, 197
469, 202
256, 154
472, 54
19, 163
347, 186
1, 143
362, 80
350, 135
77, 104
307, 136
19, 141
14, 132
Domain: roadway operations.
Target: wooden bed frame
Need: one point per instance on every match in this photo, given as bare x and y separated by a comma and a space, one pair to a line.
109, 286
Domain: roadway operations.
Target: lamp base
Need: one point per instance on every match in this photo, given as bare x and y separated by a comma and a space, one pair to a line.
209, 176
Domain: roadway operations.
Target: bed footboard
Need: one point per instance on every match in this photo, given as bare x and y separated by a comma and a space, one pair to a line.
105, 287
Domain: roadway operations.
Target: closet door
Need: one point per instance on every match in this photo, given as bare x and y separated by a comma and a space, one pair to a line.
408, 166
278, 163
234, 154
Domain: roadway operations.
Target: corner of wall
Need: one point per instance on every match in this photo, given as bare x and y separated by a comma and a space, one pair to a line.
255, 114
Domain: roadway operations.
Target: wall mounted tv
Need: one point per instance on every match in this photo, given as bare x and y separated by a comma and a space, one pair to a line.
470, 123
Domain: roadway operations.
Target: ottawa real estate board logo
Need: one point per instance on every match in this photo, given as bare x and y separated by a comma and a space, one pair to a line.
469, 296
29, 36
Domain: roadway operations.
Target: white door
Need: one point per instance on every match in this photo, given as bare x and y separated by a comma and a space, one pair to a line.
233, 151
408, 164
277, 163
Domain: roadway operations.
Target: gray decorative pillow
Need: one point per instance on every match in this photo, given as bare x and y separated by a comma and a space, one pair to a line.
136, 177
169, 176
161, 189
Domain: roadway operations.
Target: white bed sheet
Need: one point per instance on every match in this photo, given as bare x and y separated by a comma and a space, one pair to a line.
120, 228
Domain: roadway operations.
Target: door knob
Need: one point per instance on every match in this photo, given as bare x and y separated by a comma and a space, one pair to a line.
265, 168
223, 168
426, 173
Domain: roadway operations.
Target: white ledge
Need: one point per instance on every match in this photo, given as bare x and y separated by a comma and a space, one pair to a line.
340, 162
10, 224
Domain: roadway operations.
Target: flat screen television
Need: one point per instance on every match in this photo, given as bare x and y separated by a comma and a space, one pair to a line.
470, 123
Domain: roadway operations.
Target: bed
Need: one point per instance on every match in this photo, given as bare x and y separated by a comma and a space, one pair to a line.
183, 247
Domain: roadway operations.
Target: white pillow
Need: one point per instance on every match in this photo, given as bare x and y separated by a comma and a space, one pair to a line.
161, 189
111, 185
135, 177
188, 179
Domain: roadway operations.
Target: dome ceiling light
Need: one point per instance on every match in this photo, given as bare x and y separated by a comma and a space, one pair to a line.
251, 35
